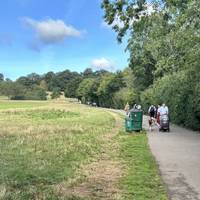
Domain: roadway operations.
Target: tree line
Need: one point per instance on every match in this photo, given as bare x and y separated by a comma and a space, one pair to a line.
163, 42
104, 88
164, 63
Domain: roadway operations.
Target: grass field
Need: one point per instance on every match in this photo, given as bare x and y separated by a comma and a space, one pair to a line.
3, 98
20, 104
62, 150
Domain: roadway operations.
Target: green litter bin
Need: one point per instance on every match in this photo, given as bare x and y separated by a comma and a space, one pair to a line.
128, 124
134, 121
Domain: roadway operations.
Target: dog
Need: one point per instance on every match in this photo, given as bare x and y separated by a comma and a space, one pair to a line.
152, 123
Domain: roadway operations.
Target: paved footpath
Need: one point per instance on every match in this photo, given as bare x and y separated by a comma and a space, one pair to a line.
178, 156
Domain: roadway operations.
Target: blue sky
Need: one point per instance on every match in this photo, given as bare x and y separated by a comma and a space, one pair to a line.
54, 35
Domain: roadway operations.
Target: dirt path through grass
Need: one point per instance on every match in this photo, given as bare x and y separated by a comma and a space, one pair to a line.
102, 175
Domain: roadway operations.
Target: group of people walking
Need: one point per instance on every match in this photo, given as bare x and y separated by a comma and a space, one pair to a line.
157, 114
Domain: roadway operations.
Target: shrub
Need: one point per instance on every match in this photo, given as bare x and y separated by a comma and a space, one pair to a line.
181, 93
56, 93
123, 96
36, 94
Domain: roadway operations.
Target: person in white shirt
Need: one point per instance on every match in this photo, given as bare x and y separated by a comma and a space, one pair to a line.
158, 116
163, 110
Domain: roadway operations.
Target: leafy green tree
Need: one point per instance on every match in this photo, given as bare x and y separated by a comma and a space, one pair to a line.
72, 86
100, 73
30, 80
43, 85
12, 90
123, 96
109, 84
56, 93
60, 80
164, 52
48, 77
180, 93
25, 81
133, 17
36, 94
16, 91
87, 90
34, 78
88, 73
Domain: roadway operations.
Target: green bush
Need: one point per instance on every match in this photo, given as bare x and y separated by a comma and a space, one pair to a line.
56, 93
17, 97
36, 94
181, 93
123, 96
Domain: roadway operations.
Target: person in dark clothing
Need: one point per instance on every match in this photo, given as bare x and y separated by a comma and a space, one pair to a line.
152, 116
152, 111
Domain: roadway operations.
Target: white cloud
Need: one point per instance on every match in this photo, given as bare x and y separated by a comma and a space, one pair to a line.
51, 31
102, 63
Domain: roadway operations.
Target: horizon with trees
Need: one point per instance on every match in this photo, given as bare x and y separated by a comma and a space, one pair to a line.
163, 38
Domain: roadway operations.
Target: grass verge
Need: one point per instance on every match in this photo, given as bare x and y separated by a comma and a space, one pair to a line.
141, 180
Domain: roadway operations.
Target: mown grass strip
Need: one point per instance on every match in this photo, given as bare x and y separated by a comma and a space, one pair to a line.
141, 180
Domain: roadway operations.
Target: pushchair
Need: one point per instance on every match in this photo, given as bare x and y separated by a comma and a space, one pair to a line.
164, 123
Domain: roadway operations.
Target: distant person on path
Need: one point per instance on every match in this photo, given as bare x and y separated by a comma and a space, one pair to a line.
139, 107
134, 106
152, 115
152, 111
164, 118
127, 108
164, 110
158, 115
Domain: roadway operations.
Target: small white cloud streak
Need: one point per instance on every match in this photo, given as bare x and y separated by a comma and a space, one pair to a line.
102, 63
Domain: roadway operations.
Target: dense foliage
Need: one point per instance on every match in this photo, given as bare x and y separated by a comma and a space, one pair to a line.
101, 88
163, 41
163, 38
18, 91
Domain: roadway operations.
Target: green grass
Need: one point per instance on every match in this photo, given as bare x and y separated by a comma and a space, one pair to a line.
20, 104
3, 98
141, 180
43, 147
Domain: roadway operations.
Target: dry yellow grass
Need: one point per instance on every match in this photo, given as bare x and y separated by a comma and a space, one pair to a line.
61, 150
44, 146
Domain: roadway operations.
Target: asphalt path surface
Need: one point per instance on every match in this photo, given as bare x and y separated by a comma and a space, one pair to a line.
178, 156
